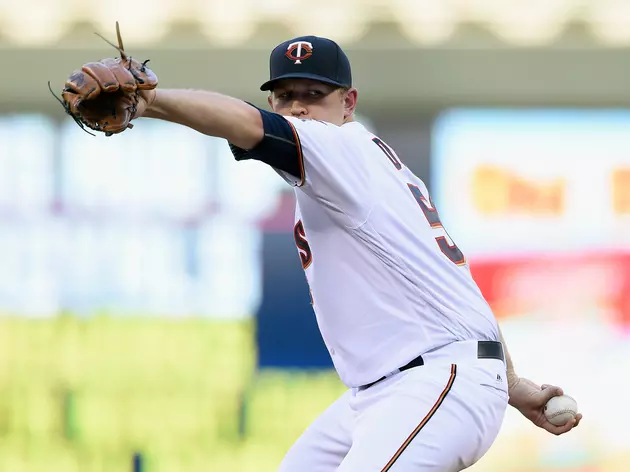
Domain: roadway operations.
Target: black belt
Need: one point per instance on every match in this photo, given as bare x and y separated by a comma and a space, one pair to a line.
485, 350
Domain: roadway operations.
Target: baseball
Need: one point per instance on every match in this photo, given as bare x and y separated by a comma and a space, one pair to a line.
559, 410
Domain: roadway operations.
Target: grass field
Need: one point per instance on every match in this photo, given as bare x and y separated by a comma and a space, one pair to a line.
86, 394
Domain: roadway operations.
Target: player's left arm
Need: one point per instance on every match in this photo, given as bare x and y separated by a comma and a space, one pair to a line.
325, 161
309, 154
210, 113
530, 398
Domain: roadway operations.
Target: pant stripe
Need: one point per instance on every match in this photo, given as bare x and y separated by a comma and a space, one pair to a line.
424, 421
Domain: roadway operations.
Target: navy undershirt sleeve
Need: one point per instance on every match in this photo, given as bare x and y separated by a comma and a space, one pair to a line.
279, 148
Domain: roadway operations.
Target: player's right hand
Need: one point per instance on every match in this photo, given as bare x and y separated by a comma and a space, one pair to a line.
530, 399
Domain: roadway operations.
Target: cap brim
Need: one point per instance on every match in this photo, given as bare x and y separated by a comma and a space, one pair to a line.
300, 75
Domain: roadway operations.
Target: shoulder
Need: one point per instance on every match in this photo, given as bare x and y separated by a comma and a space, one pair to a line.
296, 120
320, 128
301, 123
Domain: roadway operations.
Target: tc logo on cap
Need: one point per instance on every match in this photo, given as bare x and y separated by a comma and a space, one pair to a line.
299, 51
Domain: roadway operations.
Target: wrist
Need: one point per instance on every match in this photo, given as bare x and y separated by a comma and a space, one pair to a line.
149, 98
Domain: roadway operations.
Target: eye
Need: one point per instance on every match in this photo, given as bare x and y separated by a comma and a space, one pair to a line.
283, 95
315, 93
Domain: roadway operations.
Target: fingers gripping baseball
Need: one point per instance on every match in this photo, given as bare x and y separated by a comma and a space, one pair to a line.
533, 402
549, 391
572, 420
104, 95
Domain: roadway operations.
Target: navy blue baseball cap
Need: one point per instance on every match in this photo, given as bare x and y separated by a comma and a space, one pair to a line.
309, 57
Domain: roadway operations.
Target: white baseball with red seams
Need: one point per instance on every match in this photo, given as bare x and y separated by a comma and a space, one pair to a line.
561, 409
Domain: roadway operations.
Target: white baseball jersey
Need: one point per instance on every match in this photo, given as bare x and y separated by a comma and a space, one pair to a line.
387, 283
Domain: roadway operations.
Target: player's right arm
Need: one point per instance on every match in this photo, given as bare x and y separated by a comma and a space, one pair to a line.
530, 399
512, 377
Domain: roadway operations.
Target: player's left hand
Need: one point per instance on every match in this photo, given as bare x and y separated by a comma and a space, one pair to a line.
107, 95
530, 399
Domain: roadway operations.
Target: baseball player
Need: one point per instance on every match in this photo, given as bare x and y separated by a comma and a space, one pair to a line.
428, 374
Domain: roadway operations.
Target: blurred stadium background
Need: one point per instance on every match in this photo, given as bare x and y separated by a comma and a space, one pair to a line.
154, 313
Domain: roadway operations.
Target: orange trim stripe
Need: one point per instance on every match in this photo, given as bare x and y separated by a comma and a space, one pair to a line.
424, 421
300, 155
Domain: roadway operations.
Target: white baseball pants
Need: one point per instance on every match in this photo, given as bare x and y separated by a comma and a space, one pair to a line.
439, 417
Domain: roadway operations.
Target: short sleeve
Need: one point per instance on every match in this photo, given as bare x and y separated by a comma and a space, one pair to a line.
336, 168
327, 162
279, 147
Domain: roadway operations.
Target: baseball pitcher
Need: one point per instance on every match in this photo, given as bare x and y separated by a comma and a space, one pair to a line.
428, 373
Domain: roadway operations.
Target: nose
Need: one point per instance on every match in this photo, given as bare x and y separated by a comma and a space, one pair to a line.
297, 109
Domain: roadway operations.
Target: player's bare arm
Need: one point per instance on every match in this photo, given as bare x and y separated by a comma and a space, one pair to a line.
209, 113
530, 398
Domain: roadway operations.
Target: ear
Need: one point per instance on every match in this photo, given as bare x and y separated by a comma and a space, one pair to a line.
269, 100
350, 102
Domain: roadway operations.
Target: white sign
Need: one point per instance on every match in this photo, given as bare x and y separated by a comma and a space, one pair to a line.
536, 180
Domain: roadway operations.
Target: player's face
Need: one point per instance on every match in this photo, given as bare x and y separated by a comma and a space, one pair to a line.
309, 99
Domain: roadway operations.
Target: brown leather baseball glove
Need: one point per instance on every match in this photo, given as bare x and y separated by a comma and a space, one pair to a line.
103, 95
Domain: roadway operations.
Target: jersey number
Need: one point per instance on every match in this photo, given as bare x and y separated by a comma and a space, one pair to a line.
306, 256
430, 212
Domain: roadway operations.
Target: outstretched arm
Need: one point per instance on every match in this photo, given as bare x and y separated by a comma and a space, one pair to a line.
209, 113
530, 399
